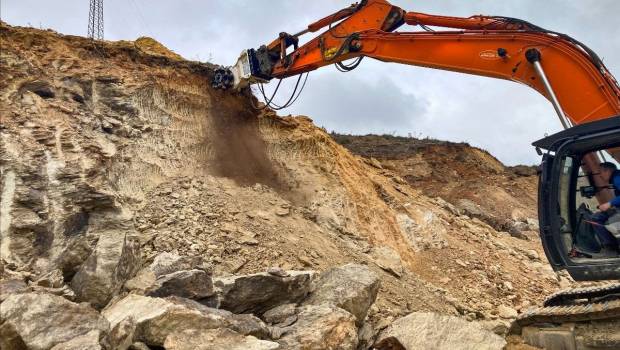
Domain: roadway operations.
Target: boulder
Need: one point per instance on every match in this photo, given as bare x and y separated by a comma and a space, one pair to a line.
366, 336
41, 321
166, 263
352, 287
114, 260
506, 312
141, 283
321, 327
280, 313
498, 326
122, 334
52, 279
216, 339
151, 278
156, 318
388, 259
517, 229
192, 284
469, 208
421, 330
64, 291
260, 292
139, 346
88, 341
12, 286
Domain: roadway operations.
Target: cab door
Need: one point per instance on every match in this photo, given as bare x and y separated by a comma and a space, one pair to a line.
546, 212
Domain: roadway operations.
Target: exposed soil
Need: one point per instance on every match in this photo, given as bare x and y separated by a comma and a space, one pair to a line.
454, 172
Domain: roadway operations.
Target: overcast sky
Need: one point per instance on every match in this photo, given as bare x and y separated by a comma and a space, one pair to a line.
499, 116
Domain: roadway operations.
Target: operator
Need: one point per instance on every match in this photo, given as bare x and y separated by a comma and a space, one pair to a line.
611, 174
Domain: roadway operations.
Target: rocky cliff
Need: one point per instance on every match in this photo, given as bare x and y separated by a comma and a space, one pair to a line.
141, 208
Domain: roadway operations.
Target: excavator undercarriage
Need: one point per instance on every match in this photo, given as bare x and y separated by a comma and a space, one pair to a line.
564, 315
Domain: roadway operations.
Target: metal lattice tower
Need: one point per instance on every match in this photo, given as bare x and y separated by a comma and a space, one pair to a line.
95, 20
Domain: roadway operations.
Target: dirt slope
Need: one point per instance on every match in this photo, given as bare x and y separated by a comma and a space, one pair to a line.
95, 139
456, 172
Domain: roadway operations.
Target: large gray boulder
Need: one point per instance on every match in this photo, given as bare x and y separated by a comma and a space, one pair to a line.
171, 274
192, 284
42, 321
114, 260
216, 339
156, 318
352, 287
422, 330
321, 327
260, 292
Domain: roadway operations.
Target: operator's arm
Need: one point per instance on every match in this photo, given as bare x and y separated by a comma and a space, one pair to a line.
616, 201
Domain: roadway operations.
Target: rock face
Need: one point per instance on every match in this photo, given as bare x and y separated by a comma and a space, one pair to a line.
433, 331
321, 327
260, 292
216, 339
114, 260
156, 318
42, 321
351, 287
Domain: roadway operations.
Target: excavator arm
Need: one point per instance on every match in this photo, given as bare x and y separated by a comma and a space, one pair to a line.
497, 47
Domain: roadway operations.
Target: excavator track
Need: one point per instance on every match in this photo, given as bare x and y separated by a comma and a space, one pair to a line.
567, 296
576, 305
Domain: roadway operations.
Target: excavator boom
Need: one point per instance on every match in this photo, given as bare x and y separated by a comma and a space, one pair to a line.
498, 47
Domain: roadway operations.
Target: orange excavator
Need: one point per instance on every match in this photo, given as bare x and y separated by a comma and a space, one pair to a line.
584, 94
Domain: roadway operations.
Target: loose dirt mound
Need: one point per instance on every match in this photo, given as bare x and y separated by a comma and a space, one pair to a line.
126, 143
153, 47
468, 177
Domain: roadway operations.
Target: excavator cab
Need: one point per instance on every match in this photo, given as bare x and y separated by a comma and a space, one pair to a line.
573, 234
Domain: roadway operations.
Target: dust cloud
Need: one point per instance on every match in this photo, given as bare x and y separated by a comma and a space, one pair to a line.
240, 152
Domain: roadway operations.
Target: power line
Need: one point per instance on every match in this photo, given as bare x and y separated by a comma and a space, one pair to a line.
145, 27
95, 20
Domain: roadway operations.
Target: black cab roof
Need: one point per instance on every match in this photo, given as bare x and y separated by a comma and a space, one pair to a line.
551, 143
